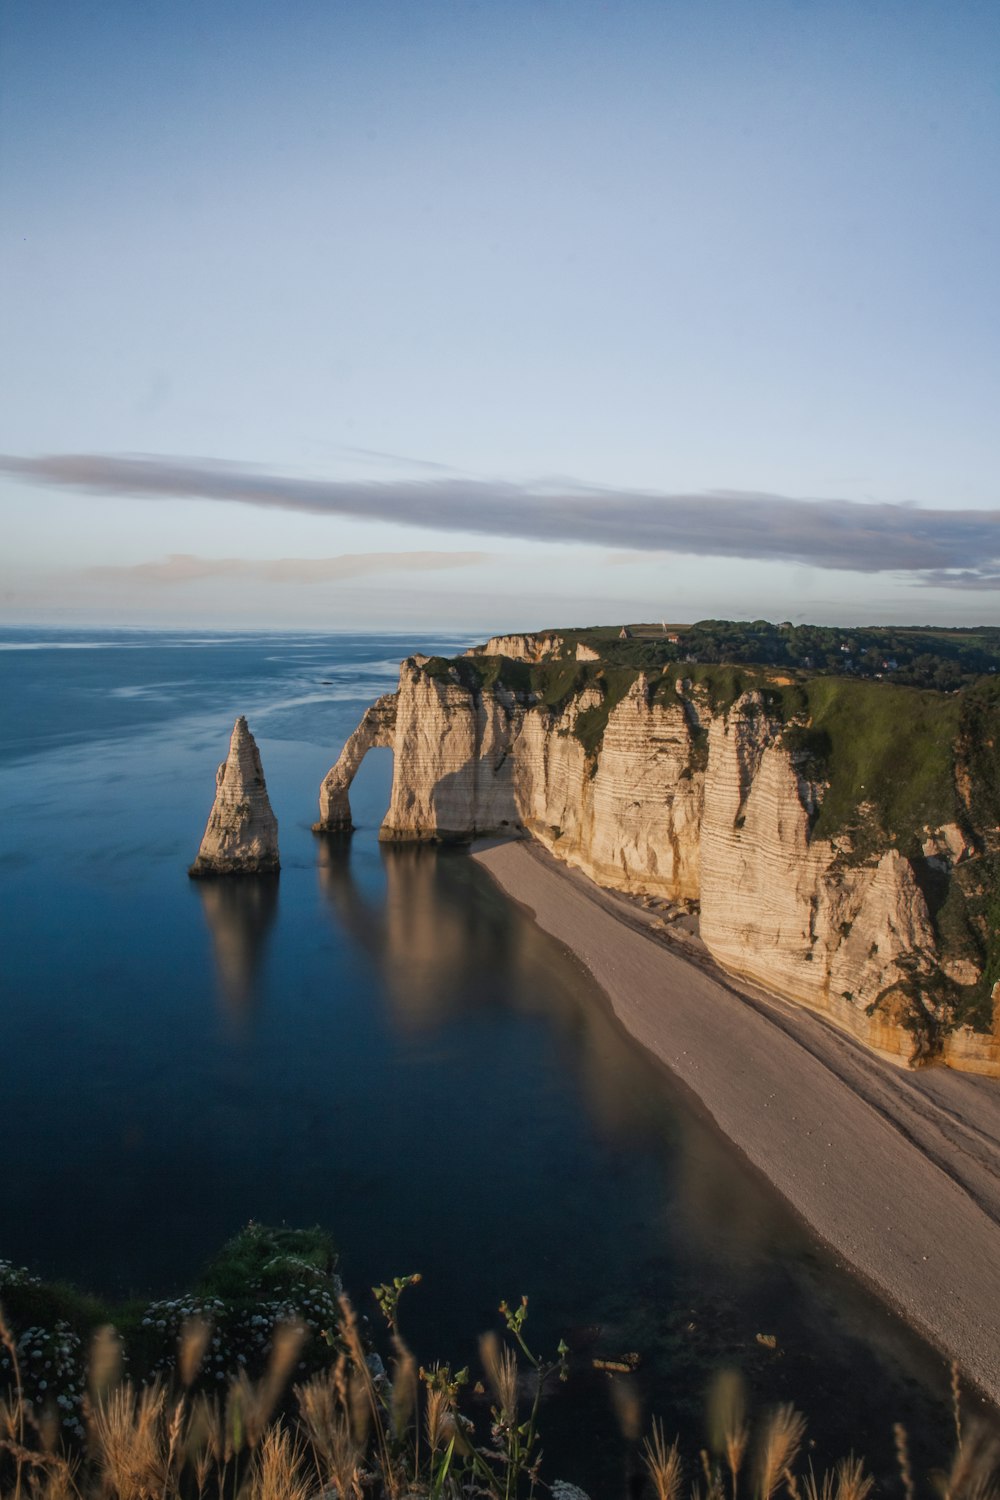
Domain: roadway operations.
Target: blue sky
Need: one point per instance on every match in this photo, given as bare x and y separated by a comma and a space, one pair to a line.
518, 255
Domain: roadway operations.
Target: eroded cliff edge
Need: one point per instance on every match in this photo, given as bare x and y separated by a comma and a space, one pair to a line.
839, 837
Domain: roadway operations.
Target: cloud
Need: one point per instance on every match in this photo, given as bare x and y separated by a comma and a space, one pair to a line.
968, 578
954, 548
184, 567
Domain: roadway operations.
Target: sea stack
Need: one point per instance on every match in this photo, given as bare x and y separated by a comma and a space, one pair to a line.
242, 833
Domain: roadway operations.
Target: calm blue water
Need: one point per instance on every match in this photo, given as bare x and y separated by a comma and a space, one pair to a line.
381, 1044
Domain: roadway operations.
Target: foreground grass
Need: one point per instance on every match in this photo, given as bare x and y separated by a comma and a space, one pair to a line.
343, 1425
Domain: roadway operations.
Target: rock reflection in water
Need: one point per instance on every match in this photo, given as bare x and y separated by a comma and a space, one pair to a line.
447, 943
240, 912
425, 942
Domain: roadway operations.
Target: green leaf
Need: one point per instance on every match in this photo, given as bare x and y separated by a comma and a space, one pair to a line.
442, 1474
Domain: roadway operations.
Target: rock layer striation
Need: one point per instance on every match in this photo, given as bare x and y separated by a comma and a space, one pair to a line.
241, 837
677, 798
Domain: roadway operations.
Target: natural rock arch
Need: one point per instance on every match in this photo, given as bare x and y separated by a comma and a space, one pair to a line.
376, 730
453, 768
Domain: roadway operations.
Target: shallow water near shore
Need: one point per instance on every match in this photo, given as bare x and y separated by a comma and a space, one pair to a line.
378, 1042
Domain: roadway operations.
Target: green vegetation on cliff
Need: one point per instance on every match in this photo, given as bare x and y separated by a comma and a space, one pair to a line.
896, 730
913, 656
890, 750
261, 1277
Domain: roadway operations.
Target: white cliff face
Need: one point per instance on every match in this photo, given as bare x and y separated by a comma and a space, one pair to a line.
786, 910
242, 833
452, 772
679, 802
646, 800
529, 648
632, 821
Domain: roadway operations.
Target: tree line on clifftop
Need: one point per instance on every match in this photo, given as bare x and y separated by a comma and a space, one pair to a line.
913, 656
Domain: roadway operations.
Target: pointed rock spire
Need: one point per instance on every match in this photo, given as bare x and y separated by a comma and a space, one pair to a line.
242, 833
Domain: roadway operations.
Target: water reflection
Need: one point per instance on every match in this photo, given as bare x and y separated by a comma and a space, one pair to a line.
240, 914
446, 943
422, 942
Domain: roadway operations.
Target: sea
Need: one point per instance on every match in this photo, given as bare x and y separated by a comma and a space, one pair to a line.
380, 1043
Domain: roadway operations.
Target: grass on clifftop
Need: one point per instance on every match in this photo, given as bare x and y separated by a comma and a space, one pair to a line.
889, 747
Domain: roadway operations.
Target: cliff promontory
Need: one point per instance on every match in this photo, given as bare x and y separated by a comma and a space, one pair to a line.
241, 837
840, 838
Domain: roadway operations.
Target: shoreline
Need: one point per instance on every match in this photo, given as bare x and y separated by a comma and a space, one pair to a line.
896, 1171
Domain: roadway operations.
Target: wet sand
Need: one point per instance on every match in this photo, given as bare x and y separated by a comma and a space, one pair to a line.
897, 1171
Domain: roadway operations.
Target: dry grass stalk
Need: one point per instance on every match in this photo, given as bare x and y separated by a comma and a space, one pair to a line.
346, 1460
501, 1373
46, 1425
129, 1441
347, 1327
13, 1415
713, 1478
285, 1349
852, 1481
903, 1459
664, 1465
50, 1475
105, 1368
193, 1342
56, 1481
956, 1402
320, 1402
626, 1403
779, 1448
324, 1407
359, 1407
727, 1422
814, 1489
277, 1468
11, 1419
973, 1474
437, 1417
247, 1414
404, 1389
174, 1429
204, 1440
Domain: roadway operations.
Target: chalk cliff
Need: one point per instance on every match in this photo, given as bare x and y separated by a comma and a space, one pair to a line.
524, 647
653, 788
241, 837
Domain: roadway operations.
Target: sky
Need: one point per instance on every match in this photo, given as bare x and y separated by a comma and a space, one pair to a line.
437, 314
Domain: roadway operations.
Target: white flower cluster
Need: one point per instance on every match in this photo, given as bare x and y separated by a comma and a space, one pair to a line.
53, 1361
239, 1336
53, 1371
11, 1275
563, 1490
